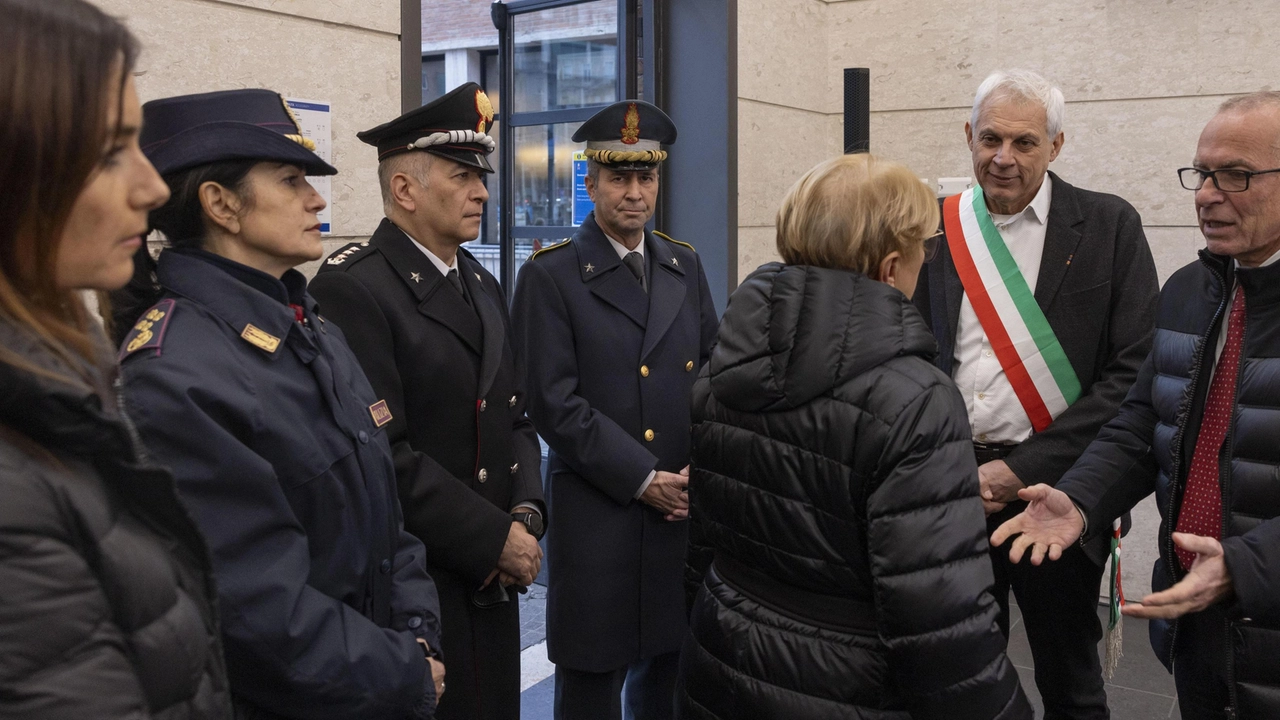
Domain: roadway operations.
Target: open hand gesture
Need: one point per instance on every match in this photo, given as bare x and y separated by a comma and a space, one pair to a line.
1050, 523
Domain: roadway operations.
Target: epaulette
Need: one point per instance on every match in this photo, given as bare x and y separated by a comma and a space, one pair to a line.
549, 248
668, 238
348, 252
148, 332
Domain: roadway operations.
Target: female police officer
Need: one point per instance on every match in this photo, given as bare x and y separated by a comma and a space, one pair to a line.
271, 427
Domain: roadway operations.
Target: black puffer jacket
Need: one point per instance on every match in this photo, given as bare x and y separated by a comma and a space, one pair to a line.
106, 598
1162, 416
834, 482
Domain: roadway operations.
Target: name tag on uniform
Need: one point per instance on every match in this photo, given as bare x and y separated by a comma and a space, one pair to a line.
381, 414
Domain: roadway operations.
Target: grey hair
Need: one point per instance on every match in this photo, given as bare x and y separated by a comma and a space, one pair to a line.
416, 165
1252, 101
1022, 85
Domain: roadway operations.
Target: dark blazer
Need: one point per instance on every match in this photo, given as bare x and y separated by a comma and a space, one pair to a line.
323, 593
1098, 288
610, 372
465, 452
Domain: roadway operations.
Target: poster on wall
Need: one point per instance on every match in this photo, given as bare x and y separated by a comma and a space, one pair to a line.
314, 120
582, 204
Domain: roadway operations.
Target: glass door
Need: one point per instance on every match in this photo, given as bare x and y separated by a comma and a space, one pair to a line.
559, 62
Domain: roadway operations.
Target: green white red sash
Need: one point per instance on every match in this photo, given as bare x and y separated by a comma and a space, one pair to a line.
1019, 333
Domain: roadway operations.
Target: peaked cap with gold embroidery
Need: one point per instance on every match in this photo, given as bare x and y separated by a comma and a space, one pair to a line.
187, 131
627, 135
455, 126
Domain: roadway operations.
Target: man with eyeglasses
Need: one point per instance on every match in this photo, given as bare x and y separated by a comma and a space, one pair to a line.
1042, 299
1206, 408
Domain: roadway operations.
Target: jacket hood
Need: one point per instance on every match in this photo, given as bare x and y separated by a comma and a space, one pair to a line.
794, 332
74, 416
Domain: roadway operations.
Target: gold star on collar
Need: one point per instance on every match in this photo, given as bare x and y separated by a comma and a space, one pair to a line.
675, 261
589, 267
415, 277
478, 278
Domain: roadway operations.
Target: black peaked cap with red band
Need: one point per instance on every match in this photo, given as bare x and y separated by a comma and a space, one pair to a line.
455, 126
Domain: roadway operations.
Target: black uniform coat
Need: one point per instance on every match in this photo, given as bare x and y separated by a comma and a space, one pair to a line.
1097, 288
610, 374
465, 452
277, 454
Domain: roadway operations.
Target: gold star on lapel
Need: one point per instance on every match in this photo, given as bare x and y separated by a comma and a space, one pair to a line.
415, 277
589, 267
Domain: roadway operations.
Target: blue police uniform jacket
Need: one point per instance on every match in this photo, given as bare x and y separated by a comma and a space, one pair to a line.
610, 373
274, 436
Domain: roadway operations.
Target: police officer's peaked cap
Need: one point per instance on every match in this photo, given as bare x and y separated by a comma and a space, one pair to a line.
627, 135
187, 131
455, 126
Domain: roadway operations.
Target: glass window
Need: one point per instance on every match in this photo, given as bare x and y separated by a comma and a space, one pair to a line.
566, 57
432, 78
543, 193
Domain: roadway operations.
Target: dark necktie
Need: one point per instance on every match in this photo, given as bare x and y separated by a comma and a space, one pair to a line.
635, 261
456, 281
1201, 512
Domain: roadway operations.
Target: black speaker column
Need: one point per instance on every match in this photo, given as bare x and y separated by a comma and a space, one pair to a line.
857, 110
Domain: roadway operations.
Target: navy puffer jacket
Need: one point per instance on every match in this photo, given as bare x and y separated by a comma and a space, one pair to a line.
834, 484
1162, 416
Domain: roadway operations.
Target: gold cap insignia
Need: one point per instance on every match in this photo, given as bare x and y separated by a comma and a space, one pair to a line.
260, 338
484, 109
380, 413
631, 130
297, 135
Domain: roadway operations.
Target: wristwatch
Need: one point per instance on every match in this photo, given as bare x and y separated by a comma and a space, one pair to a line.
532, 522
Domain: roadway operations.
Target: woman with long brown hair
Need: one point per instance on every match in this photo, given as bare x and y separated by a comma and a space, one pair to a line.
108, 604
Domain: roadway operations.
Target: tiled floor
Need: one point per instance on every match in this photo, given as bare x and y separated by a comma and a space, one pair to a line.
1141, 689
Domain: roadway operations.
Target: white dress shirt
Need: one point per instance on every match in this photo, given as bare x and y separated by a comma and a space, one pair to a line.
622, 253
995, 413
441, 265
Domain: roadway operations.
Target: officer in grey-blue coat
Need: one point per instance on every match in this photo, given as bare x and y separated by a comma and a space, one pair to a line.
612, 327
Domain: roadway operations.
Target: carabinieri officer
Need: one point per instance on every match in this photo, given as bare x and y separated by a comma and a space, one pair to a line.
614, 326
429, 325
273, 432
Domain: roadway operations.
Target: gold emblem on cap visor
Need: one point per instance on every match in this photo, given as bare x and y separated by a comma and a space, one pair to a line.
631, 130
484, 109
260, 338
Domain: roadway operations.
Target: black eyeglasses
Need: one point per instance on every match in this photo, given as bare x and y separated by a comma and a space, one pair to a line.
1230, 180
931, 245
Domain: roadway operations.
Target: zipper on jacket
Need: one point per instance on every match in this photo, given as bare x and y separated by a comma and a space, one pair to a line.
1175, 482
135, 439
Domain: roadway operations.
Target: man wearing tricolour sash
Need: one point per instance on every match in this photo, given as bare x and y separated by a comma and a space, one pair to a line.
1042, 300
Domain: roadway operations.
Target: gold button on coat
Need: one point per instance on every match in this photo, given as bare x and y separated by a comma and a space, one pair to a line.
482, 475
644, 371
688, 366
648, 435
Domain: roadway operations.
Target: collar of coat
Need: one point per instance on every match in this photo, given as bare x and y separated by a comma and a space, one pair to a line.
597, 258
235, 302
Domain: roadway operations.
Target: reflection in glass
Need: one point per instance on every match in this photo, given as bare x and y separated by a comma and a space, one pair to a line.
433, 83
566, 57
544, 174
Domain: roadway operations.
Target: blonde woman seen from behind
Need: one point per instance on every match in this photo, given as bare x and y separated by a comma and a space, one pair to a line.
826, 446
